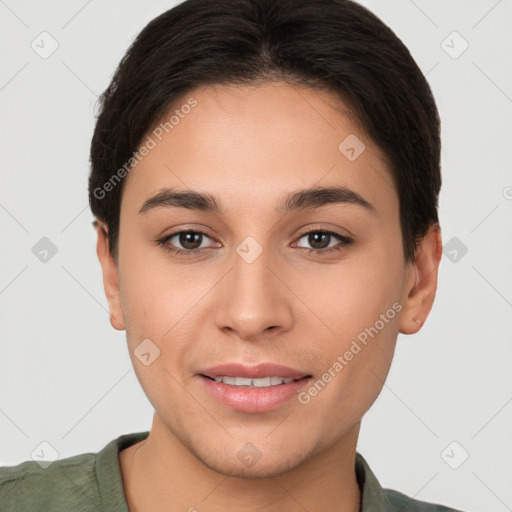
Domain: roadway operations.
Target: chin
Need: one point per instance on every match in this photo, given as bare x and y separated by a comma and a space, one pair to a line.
259, 470
260, 466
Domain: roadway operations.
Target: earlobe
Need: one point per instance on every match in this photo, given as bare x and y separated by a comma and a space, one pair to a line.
421, 286
115, 323
110, 278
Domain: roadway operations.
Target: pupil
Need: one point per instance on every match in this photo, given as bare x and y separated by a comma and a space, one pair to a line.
187, 239
313, 239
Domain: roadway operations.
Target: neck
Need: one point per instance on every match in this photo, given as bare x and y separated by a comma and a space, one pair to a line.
160, 473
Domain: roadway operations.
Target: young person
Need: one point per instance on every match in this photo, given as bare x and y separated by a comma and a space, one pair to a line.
265, 178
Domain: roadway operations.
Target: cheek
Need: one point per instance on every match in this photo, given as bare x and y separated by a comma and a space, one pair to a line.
152, 287
355, 362
360, 303
350, 296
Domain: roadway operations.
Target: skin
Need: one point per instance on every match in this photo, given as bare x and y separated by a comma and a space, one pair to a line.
250, 146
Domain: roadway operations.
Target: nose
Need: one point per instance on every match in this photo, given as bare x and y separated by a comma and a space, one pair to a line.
253, 299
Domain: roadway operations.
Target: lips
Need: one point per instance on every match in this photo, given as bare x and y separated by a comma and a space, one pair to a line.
254, 394
260, 371
253, 389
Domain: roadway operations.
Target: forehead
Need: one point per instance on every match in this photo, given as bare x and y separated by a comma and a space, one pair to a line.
247, 145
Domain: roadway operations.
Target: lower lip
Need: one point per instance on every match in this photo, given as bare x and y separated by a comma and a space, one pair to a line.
252, 399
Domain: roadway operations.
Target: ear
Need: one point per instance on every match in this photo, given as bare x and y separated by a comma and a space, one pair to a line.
421, 284
110, 277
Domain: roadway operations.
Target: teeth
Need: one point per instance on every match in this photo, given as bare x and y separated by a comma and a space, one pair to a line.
263, 382
242, 381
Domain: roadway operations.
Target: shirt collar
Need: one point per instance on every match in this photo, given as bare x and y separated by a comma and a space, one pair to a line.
373, 497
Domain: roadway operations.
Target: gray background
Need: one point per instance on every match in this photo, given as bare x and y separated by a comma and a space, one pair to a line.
65, 375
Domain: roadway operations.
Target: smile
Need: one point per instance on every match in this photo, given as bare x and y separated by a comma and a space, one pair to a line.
263, 382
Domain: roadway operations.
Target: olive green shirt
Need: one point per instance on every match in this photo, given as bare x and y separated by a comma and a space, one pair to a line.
92, 482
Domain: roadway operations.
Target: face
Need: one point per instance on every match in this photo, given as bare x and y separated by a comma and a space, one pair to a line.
316, 284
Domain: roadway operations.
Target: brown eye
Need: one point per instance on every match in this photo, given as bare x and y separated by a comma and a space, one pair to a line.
321, 241
190, 239
186, 242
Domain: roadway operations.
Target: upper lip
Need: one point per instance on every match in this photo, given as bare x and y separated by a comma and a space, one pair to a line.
252, 372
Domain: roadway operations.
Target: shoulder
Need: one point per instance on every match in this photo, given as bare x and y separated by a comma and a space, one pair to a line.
399, 501
377, 498
88, 482
63, 484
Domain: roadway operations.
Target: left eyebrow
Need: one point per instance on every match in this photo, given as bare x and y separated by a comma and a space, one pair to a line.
315, 197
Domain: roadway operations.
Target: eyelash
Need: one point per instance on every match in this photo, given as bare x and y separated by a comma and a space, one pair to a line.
163, 242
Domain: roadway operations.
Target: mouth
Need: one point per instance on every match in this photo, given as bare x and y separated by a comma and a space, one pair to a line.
253, 389
261, 382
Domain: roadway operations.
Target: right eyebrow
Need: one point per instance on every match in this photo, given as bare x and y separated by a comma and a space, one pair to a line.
192, 200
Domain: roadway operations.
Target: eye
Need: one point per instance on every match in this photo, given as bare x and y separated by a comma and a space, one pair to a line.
320, 240
190, 240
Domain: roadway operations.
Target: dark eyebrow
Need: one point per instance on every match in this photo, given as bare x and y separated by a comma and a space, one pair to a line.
322, 196
301, 200
169, 197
